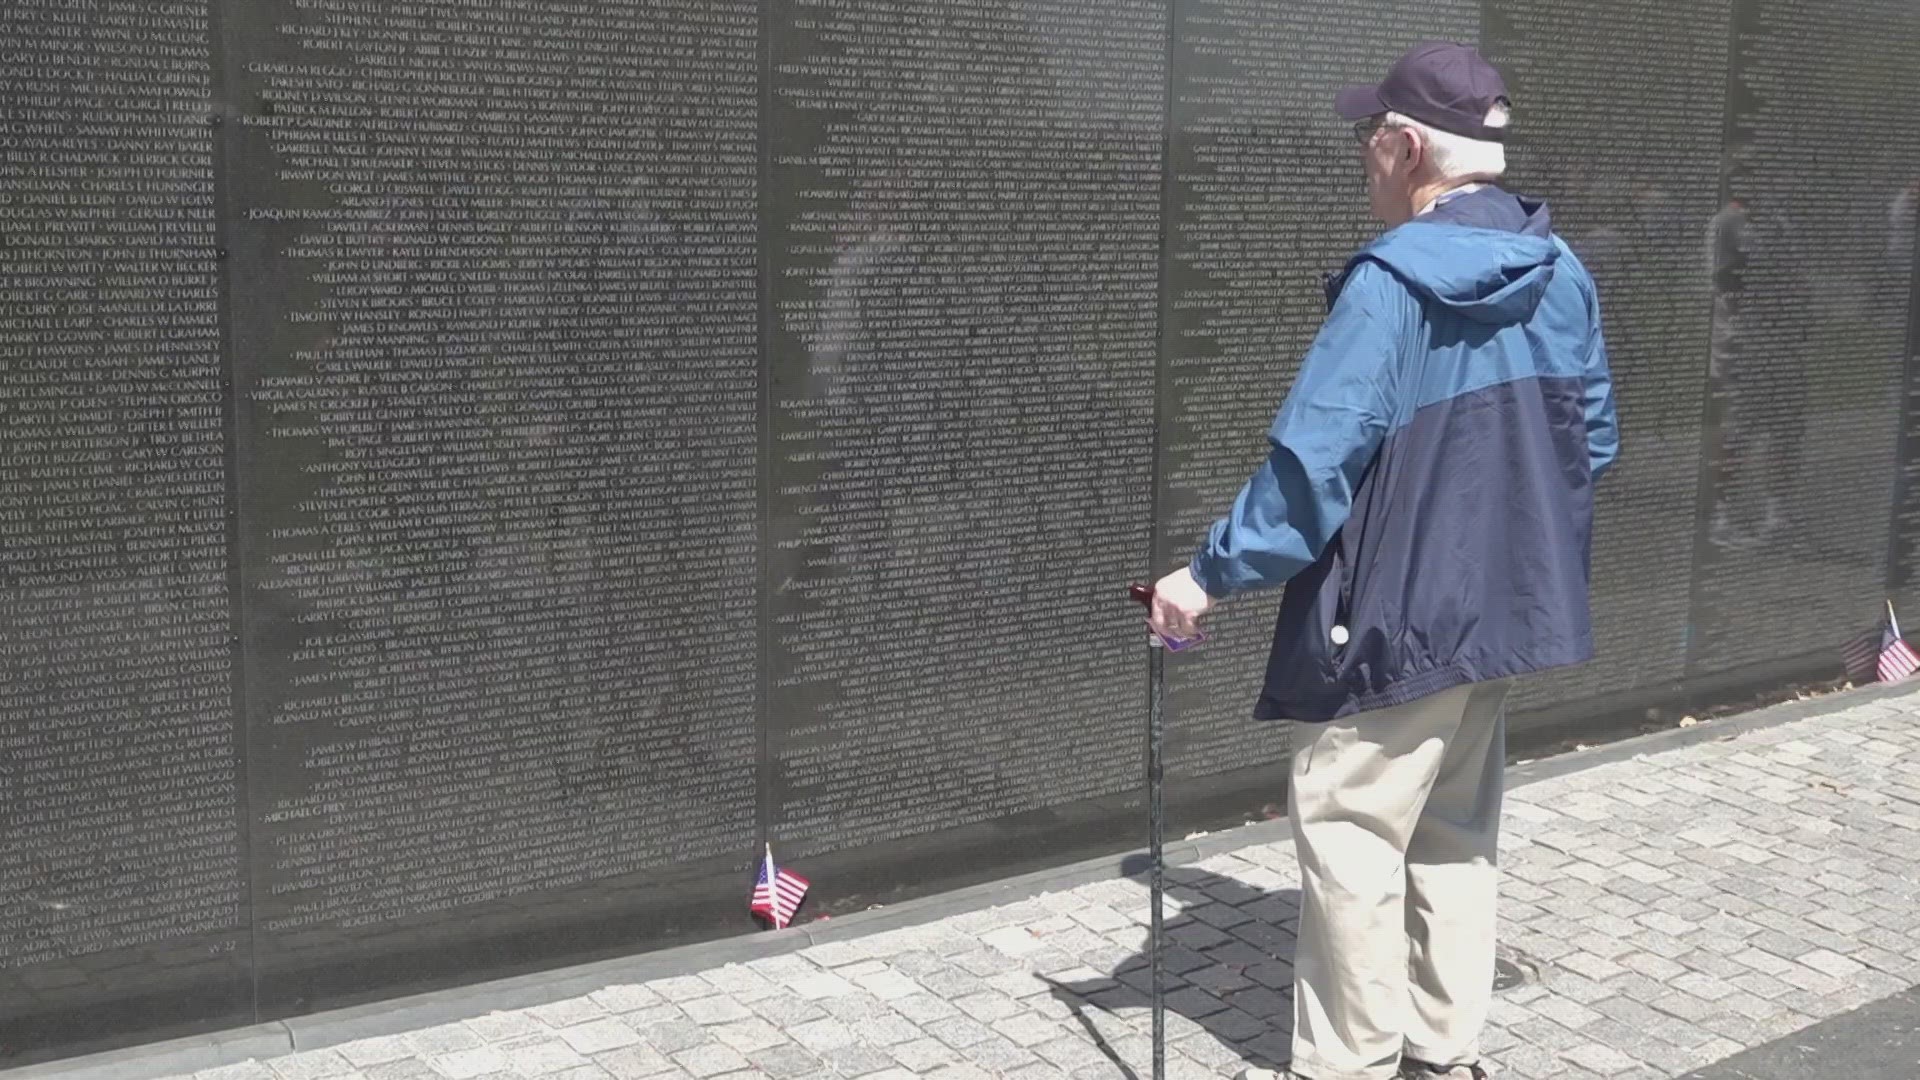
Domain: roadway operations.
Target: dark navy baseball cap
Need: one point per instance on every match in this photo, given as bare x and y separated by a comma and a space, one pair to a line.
1439, 83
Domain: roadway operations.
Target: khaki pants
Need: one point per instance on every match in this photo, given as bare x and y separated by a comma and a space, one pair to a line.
1396, 816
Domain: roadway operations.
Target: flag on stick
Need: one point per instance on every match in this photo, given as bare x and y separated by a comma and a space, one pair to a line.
777, 893
1897, 658
1881, 654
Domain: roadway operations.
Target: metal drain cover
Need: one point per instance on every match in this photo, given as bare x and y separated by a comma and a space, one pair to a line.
1507, 975
1512, 969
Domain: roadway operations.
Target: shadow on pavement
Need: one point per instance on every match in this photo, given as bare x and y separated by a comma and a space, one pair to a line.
1228, 976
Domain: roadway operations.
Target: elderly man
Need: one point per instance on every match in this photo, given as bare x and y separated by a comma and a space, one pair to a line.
1428, 500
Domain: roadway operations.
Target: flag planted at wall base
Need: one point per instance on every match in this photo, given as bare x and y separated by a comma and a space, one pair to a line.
1881, 654
777, 892
1897, 658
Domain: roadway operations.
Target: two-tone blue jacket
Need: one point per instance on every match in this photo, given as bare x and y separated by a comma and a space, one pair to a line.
1430, 483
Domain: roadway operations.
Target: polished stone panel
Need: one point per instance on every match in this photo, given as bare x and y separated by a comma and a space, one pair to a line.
123, 888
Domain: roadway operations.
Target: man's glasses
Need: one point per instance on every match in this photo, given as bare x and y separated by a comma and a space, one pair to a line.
1365, 130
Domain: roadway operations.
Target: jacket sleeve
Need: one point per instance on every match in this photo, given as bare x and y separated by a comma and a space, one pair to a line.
1603, 426
1327, 433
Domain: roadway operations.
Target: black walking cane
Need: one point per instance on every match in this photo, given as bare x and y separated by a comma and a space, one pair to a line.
1156, 821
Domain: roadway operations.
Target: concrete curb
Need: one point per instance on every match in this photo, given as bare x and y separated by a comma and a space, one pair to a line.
401, 1015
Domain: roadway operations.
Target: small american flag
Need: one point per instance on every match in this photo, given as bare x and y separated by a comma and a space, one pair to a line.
1881, 654
777, 893
1897, 658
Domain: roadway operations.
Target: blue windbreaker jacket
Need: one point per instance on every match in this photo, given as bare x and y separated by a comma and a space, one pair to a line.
1430, 483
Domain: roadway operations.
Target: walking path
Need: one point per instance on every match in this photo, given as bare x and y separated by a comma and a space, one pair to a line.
1672, 911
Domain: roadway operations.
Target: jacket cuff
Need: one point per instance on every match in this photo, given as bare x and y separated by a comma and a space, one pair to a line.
1208, 576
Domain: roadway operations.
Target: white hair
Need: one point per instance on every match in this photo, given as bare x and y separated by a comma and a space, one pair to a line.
1456, 157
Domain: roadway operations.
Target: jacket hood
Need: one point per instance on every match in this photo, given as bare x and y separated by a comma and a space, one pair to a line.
1483, 272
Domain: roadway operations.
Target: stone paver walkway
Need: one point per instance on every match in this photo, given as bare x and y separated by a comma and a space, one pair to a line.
1676, 909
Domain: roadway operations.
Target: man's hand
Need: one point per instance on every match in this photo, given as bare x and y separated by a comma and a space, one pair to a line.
1178, 604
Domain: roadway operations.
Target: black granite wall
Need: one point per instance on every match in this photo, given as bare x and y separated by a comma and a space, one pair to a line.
471, 472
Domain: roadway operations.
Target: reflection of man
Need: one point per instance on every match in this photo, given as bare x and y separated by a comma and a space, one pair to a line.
1901, 224
1727, 252
1429, 496
1773, 300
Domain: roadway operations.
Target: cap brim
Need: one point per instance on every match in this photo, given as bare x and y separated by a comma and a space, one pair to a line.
1359, 102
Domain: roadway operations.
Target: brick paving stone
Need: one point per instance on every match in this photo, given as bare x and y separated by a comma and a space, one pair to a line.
1813, 982
998, 1055
749, 1035
1260, 1003
1027, 1030
785, 1010
1601, 1059
404, 1069
467, 1064
743, 983
503, 1026
1219, 979
442, 1039
541, 1056
950, 983
711, 1060
312, 1065
244, 1070
690, 987
788, 1061
1565, 1012
718, 1009
891, 1030
1017, 984
673, 1036
856, 1007
820, 1036
1530, 1061
620, 999
1069, 1052
822, 985
960, 1032
1831, 963
598, 1036
835, 954
1545, 1034
887, 984
922, 1056
1765, 986
1193, 1001
633, 1062
369, 1052
923, 1008
567, 1013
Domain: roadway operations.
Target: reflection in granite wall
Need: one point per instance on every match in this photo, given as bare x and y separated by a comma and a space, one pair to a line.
471, 473
1813, 277
1630, 161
